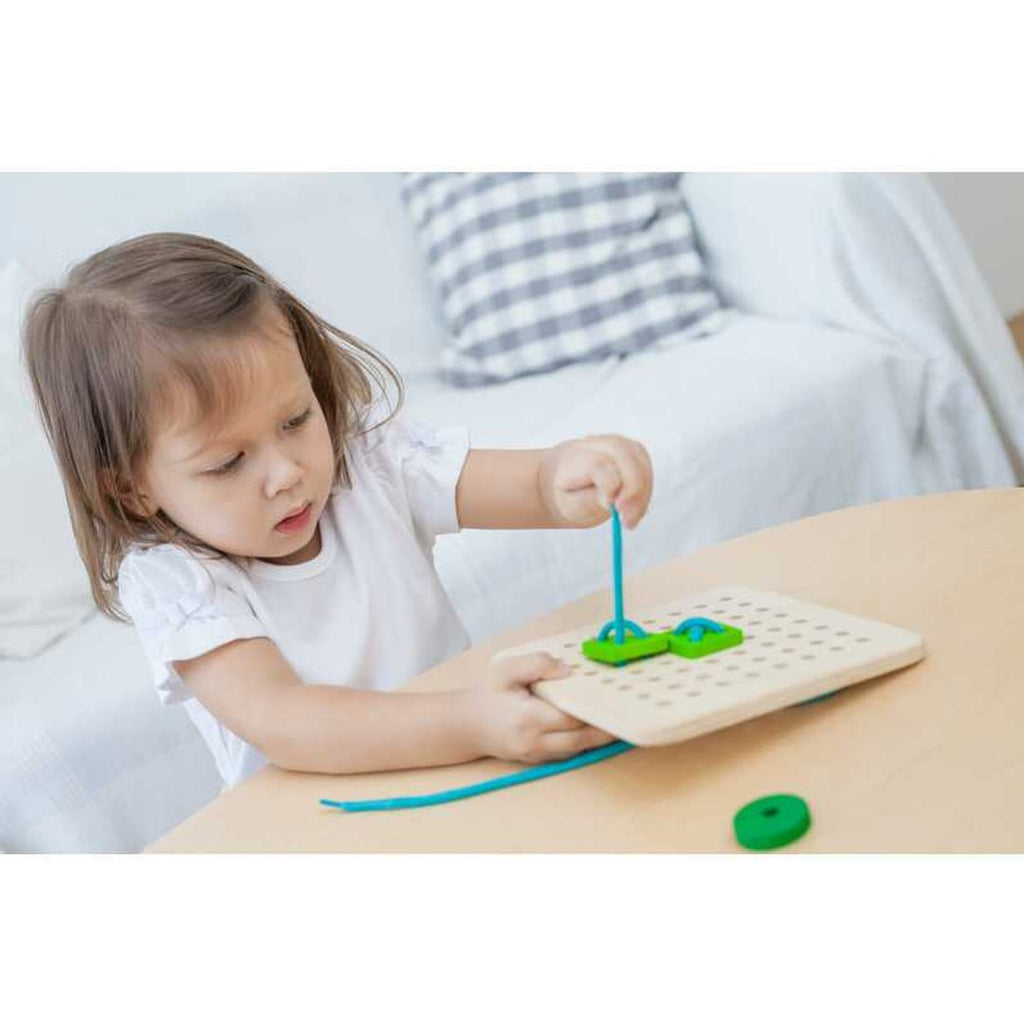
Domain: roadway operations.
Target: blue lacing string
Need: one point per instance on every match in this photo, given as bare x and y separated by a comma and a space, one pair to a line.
696, 628
541, 771
620, 623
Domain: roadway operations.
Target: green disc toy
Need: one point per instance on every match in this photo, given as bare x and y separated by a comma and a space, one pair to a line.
771, 821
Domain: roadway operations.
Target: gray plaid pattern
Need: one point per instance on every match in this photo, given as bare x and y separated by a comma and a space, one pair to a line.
536, 271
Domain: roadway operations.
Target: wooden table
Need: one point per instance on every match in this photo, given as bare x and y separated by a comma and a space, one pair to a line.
930, 758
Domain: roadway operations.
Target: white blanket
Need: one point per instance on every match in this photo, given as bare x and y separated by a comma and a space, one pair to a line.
89, 761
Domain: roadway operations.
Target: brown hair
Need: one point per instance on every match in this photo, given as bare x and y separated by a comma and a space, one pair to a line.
98, 350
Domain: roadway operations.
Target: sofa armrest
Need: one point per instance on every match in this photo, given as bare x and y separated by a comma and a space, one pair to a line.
874, 253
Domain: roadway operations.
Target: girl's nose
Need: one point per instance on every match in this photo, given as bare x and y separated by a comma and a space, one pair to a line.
284, 474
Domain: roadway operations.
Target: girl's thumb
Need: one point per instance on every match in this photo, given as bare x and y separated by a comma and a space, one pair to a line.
530, 668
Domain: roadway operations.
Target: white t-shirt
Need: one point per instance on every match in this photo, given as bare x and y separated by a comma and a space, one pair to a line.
367, 612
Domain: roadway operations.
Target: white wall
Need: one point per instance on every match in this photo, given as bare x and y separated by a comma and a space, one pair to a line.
85, 211
989, 210
341, 241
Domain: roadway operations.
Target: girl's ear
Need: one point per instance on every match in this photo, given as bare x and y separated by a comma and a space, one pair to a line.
138, 503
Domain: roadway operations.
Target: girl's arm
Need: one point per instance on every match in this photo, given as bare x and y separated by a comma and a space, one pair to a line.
252, 690
572, 484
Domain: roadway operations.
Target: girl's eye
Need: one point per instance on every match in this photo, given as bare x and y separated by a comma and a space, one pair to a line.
299, 420
290, 425
228, 466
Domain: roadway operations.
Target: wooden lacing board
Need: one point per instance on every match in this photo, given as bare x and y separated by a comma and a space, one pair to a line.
792, 651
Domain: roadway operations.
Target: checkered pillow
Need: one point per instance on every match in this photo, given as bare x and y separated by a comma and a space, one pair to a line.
536, 271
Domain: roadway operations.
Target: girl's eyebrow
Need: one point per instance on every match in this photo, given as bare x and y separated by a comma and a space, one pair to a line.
223, 439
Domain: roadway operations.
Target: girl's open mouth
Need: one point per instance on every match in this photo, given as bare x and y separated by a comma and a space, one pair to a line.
295, 523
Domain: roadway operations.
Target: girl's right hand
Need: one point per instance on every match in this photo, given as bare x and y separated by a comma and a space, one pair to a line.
509, 722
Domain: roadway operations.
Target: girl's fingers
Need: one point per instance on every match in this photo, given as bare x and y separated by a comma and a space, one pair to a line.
573, 741
594, 486
618, 468
552, 720
634, 470
589, 465
520, 670
608, 481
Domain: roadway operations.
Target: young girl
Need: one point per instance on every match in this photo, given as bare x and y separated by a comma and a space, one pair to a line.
269, 536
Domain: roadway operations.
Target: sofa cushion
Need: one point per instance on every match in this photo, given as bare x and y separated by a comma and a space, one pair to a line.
536, 271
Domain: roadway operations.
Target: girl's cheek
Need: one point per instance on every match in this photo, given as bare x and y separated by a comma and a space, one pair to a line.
326, 444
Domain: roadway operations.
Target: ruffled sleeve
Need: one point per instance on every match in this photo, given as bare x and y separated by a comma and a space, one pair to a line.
427, 463
180, 611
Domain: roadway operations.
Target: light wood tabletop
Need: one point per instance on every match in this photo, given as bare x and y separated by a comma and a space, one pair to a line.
926, 759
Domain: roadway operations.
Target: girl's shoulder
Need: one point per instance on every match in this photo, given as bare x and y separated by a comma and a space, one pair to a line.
181, 605
393, 442
167, 571
418, 468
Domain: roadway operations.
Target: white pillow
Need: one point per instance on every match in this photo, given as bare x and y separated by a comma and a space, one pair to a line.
44, 588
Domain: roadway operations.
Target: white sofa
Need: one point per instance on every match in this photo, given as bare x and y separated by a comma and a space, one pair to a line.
864, 359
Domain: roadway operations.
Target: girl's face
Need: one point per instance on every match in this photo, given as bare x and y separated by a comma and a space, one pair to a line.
274, 456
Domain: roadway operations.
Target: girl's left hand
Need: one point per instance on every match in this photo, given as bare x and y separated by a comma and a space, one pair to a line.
581, 479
